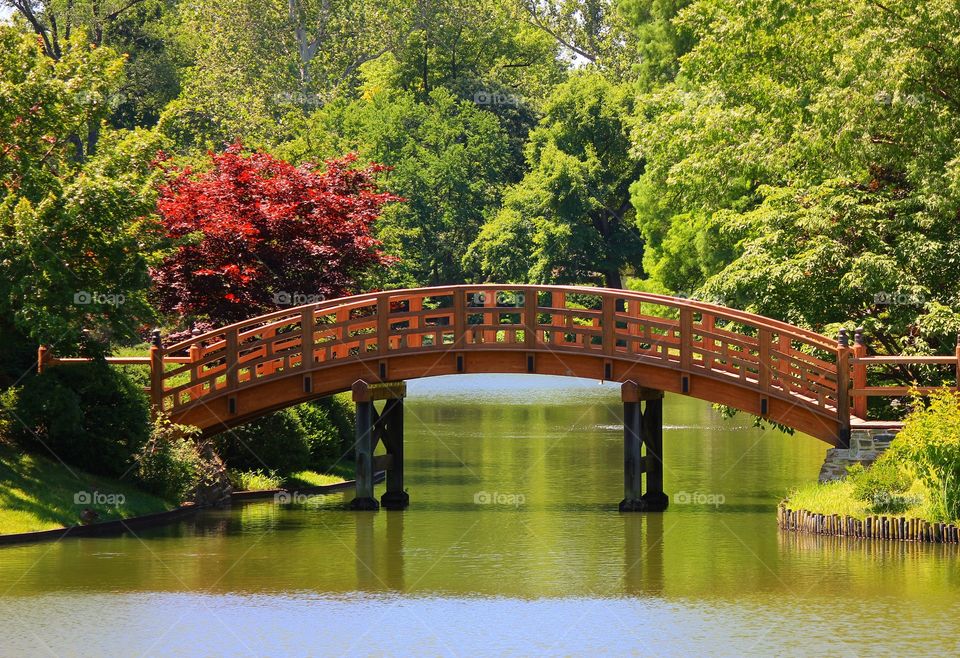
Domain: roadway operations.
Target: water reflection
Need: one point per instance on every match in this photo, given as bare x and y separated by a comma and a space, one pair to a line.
475, 572
643, 554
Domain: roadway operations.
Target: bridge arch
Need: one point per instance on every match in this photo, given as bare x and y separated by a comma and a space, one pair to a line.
768, 368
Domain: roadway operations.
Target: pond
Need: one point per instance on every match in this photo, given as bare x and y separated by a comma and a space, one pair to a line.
512, 545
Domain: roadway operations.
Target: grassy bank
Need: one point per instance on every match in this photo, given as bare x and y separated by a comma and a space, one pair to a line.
915, 478
37, 493
260, 481
840, 497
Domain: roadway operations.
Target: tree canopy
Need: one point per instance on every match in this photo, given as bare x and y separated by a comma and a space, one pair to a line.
796, 158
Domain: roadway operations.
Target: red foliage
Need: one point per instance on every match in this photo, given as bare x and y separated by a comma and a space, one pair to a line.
256, 233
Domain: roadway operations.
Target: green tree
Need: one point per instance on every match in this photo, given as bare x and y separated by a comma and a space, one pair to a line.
137, 28
802, 163
74, 234
449, 159
570, 219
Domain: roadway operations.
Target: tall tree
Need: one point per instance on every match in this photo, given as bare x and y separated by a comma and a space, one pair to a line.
136, 28
570, 219
74, 236
803, 163
449, 158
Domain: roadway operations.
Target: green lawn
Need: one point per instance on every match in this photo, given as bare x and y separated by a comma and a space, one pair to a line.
311, 479
837, 498
37, 493
260, 481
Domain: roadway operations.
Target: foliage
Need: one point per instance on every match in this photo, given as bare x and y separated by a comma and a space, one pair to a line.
255, 232
929, 444
74, 225
329, 431
837, 497
86, 415
315, 435
257, 480
596, 31
170, 464
812, 181
569, 220
278, 442
448, 159
881, 484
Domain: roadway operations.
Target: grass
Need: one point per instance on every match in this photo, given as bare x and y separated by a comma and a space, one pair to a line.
305, 479
37, 493
255, 480
837, 498
260, 481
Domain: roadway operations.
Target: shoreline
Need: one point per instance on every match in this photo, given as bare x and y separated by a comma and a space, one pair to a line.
158, 519
893, 528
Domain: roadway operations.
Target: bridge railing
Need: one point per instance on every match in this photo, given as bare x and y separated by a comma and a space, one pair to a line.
680, 334
764, 355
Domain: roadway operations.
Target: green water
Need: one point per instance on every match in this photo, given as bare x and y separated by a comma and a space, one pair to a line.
512, 545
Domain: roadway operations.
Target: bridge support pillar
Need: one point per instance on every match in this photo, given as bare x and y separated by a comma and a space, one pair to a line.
395, 497
642, 431
372, 428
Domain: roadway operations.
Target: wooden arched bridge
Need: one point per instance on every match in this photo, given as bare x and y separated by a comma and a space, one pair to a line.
652, 343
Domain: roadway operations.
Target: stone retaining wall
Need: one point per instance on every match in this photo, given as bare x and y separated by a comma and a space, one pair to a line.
865, 447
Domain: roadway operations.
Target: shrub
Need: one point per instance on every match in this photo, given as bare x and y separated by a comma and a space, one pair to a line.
329, 429
314, 435
930, 444
170, 464
277, 442
88, 415
879, 482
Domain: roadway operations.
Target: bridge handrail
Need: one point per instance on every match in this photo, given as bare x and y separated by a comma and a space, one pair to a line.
762, 357
812, 337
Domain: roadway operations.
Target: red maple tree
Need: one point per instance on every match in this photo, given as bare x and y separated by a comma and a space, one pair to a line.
254, 233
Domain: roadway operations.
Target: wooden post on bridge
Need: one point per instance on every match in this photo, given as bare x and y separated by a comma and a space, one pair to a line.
156, 372
372, 427
843, 390
859, 373
642, 428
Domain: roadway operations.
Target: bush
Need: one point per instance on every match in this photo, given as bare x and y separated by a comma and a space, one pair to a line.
329, 429
277, 442
880, 483
314, 435
170, 464
929, 444
86, 414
